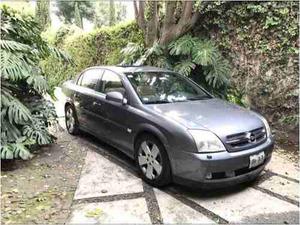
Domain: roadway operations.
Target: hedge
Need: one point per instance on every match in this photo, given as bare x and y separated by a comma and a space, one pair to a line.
99, 47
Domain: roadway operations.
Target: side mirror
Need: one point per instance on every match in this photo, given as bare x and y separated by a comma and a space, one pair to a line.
115, 96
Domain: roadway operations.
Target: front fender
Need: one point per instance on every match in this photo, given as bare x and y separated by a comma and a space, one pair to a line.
144, 127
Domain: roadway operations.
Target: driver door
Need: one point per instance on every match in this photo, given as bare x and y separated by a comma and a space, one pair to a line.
117, 116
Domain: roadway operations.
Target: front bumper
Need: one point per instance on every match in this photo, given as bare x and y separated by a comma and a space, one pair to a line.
218, 169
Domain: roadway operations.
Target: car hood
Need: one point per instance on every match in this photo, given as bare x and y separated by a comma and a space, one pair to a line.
216, 115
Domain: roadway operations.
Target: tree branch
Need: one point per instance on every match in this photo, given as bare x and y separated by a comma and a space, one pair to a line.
186, 22
140, 14
170, 14
187, 10
136, 12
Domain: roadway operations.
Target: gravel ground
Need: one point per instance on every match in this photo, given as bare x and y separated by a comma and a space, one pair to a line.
41, 190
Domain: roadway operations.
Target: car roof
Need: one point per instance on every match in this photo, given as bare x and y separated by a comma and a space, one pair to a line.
132, 69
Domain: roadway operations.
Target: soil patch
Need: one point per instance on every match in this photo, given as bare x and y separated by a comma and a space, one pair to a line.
41, 190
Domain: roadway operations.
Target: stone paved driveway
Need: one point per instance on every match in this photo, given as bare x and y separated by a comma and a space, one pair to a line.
110, 191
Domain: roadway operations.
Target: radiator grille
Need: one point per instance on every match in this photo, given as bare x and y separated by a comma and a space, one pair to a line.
246, 140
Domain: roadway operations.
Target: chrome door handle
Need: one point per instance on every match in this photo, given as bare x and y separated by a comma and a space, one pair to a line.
96, 103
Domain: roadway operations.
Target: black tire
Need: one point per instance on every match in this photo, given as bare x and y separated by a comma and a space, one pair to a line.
74, 130
164, 178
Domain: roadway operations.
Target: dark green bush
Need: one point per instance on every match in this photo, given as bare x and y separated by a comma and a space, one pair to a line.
25, 113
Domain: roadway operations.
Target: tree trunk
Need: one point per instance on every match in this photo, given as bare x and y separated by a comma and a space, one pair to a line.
42, 13
112, 17
152, 25
171, 29
77, 15
174, 30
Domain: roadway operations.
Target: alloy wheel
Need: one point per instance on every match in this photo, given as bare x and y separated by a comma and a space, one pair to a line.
70, 120
150, 160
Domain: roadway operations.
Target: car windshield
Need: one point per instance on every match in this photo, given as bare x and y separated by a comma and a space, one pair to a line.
164, 87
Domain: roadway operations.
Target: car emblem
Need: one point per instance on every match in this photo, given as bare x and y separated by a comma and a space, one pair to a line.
250, 137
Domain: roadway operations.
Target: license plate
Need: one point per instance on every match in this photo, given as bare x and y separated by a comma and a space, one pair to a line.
256, 160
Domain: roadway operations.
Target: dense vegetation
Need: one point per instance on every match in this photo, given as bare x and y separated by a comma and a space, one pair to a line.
185, 55
246, 52
261, 41
100, 47
25, 113
42, 13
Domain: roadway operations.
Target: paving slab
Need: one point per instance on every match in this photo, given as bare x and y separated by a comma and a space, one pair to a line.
175, 212
250, 206
101, 177
133, 211
284, 167
282, 186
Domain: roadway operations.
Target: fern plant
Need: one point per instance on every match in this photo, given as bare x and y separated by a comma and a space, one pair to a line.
25, 114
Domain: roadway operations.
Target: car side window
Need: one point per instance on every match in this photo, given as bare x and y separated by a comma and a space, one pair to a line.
90, 78
111, 82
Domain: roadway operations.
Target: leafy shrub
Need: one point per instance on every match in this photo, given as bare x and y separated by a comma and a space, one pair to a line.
99, 47
25, 114
261, 40
184, 55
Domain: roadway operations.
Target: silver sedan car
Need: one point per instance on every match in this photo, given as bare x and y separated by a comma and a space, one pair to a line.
173, 128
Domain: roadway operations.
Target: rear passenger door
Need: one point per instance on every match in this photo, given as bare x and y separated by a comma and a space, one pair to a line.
84, 98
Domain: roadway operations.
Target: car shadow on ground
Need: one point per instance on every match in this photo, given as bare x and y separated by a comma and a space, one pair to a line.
127, 163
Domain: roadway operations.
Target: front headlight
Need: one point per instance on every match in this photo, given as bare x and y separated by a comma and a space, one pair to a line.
267, 126
206, 141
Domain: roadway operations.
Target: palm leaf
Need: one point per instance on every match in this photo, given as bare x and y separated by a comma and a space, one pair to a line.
183, 45
6, 93
218, 73
59, 54
185, 67
18, 113
204, 53
7, 152
13, 66
9, 132
13, 46
38, 82
37, 131
131, 53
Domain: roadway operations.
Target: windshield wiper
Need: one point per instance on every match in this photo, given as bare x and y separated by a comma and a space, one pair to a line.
157, 102
199, 98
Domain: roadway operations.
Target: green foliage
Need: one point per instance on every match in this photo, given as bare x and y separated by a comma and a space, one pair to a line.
183, 45
101, 47
42, 13
185, 67
112, 18
131, 53
261, 40
23, 85
184, 55
236, 97
77, 16
194, 52
66, 10
107, 14
17, 149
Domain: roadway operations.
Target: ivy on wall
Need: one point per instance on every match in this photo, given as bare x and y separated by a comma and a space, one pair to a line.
261, 41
